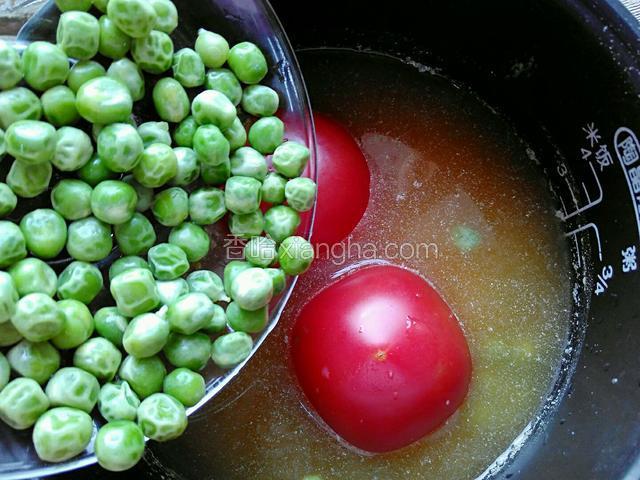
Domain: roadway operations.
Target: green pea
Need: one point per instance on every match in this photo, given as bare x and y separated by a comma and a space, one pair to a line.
104, 100
166, 15
37, 361
158, 164
145, 335
171, 207
242, 194
281, 222
295, 255
101, 5
231, 349
209, 283
80, 281
155, 132
119, 445
12, 244
8, 297
184, 132
72, 199
171, 290
29, 181
118, 402
114, 43
192, 239
188, 351
59, 105
136, 236
185, 386
73, 149
248, 63
8, 200
218, 321
210, 145
247, 225
44, 65
153, 53
301, 193
260, 251
144, 375
135, 292
45, 232
213, 107
78, 325
224, 81
207, 205
236, 135
110, 324
248, 162
126, 263
70, 5
171, 100
273, 188
114, 202
216, 174
95, 171
11, 66
120, 147
61, 434
130, 75
162, 417
9, 335
250, 321
22, 402
212, 48
5, 371
32, 275
18, 104
190, 313
290, 159
279, 280
136, 18
89, 240
260, 101
188, 68
231, 270
78, 35
99, 357
31, 141
188, 167
145, 195
167, 261
82, 72
266, 135
73, 387
252, 289
38, 317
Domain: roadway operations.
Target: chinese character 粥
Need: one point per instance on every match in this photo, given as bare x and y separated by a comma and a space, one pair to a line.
629, 262
603, 157
629, 151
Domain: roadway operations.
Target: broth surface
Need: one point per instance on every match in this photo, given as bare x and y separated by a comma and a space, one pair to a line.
450, 178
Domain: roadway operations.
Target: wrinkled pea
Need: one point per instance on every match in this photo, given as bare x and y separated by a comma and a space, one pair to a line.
78, 35
136, 236
136, 18
252, 289
80, 281
260, 101
73, 149
61, 434
32, 275
73, 387
300, 193
72, 199
171, 290
110, 324
31, 141
213, 107
153, 53
37, 317
82, 72
236, 134
123, 264
215, 174
89, 240
18, 104
118, 402
281, 222
260, 251
231, 349
166, 15
273, 188
130, 75
104, 100
184, 132
247, 225
231, 269
45, 65
188, 167
167, 261
162, 417
144, 375
209, 283
290, 159
8, 297
266, 135
158, 164
247, 162
11, 66
99, 357
119, 445
22, 402
8, 200
59, 106
224, 81
295, 255
211, 145
145, 335
9, 335
192, 239
120, 147
12, 244
188, 351
37, 361
171, 207
188, 68
29, 181
114, 43
114, 202
77, 327
135, 292
218, 321
206, 205
242, 194
154, 132
145, 194
190, 313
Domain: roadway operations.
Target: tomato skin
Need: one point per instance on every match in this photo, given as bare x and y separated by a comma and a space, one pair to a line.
381, 358
343, 182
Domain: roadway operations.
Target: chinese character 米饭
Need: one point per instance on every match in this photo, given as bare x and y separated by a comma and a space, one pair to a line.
629, 262
629, 150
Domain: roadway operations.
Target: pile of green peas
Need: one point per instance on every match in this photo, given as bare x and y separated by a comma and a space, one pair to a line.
118, 186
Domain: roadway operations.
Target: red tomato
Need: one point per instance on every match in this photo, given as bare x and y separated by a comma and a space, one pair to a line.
381, 358
343, 182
